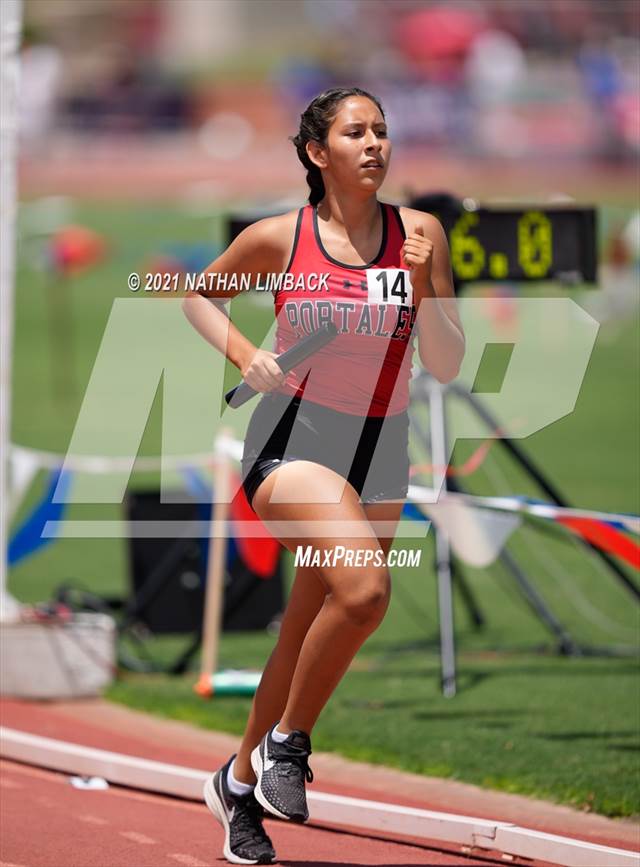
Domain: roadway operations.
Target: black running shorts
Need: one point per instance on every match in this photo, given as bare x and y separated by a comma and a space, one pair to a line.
371, 452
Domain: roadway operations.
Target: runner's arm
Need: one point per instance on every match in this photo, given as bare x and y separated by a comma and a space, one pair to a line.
257, 250
441, 340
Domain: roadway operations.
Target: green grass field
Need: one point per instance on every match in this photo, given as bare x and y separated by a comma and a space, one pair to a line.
524, 720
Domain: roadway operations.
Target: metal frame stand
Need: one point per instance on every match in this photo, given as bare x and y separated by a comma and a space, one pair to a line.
434, 393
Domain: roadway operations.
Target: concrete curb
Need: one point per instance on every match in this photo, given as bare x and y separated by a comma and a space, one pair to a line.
336, 809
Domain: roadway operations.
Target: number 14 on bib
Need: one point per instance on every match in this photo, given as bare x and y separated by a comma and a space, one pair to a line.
389, 286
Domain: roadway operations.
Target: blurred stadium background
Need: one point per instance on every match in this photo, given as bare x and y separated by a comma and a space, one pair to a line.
180, 91
144, 123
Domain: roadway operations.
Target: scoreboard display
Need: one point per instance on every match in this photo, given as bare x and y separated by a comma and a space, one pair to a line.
511, 243
524, 244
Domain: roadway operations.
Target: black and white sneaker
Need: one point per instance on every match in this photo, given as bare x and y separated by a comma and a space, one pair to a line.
245, 840
281, 769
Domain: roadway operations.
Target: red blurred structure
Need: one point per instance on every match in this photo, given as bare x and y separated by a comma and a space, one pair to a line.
438, 34
76, 248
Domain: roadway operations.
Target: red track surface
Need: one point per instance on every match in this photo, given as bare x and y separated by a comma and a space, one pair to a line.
45, 822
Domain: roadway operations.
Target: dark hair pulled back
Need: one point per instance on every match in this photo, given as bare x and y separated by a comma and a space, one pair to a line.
315, 121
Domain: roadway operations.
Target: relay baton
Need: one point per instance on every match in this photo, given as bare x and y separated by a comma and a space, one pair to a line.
286, 361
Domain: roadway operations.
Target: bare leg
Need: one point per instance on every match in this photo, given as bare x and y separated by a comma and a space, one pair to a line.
305, 600
358, 596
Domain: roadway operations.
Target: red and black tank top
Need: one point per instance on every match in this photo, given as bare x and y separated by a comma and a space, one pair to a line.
366, 369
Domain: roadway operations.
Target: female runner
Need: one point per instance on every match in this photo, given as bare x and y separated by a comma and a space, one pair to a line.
339, 435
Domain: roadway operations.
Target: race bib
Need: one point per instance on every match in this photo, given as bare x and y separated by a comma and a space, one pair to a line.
389, 286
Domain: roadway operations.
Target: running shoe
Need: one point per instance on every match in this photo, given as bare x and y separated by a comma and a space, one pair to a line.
245, 840
281, 769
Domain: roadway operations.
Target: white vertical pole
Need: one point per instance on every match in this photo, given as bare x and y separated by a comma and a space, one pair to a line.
10, 23
440, 460
214, 590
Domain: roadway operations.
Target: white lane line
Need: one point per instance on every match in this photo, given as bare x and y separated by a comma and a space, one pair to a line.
138, 838
92, 820
9, 784
45, 801
188, 860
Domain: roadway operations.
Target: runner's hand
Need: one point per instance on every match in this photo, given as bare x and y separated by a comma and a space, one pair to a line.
262, 373
417, 255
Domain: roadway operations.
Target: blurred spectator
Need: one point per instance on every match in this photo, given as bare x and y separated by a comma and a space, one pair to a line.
136, 97
437, 39
299, 80
601, 73
604, 83
39, 80
495, 67
532, 78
